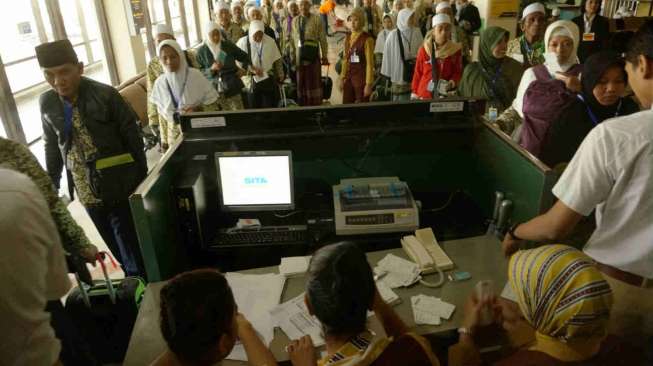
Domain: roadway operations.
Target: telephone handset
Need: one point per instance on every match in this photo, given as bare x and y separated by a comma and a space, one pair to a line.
424, 250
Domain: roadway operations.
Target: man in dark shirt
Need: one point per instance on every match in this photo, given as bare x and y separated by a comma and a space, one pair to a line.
467, 16
91, 131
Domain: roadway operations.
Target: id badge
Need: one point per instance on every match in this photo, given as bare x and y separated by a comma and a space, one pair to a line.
588, 37
430, 86
70, 163
299, 43
443, 86
354, 59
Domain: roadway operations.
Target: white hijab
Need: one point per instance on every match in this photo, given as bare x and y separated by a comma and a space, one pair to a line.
392, 65
267, 48
189, 86
558, 28
561, 28
213, 47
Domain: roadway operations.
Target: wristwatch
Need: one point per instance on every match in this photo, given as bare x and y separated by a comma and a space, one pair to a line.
512, 229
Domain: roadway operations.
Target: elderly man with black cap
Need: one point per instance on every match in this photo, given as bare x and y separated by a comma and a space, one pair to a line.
162, 32
91, 131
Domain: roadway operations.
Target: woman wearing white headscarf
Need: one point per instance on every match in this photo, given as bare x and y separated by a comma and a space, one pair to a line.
392, 66
180, 89
267, 69
561, 62
223, 18
217, 58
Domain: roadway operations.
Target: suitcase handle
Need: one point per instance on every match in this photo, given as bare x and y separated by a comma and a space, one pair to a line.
100, 258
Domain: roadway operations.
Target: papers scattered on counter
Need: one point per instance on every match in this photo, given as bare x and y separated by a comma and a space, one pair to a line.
293, 266
429, 310
293, 318
389, 296
397, 272
256, 295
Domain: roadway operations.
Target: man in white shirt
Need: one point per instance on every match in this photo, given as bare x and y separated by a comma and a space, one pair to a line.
612, 173
32, 272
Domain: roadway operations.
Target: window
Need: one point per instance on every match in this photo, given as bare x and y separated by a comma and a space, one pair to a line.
190, 23
27, 25
177, 26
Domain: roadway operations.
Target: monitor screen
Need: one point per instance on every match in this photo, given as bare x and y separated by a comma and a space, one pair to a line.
255, 180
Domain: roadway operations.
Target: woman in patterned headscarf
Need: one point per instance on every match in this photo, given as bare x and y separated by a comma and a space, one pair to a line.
563, 297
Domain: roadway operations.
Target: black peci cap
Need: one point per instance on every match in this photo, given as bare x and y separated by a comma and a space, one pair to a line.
56, 53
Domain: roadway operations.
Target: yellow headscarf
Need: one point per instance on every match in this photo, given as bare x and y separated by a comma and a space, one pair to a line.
564, 297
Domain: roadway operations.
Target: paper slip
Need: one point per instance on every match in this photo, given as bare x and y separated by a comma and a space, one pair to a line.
508, 293
430, 310
255, 296
293, 318
399, 272
389, 296
293, 266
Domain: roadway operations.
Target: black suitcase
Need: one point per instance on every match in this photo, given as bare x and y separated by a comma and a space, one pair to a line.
105, 314
327, 87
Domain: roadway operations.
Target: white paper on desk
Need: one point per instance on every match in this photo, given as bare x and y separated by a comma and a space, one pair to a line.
399, 272
293, 318
293, 266
255, 296
424, 310
389, 296
430, 310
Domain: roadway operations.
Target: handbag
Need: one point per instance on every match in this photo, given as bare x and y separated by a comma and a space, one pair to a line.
409, 65
114, 178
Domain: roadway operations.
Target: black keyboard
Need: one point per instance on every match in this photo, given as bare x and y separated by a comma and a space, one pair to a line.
265, 235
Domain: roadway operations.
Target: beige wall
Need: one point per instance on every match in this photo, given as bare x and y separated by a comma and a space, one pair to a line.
128, 50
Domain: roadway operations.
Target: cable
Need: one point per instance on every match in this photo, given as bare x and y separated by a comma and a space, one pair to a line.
280, 216
451, 196
436, 284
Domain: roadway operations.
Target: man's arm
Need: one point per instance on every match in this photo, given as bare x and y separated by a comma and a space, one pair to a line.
73, 238
257, 353
555, 224
53, 160
392, 323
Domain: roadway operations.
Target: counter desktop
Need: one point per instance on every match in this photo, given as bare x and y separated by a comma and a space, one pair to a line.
452, 162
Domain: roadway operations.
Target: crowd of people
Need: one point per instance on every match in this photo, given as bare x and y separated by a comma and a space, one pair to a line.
554, 88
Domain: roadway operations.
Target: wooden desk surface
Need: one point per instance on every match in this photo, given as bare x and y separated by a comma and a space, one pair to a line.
481, 256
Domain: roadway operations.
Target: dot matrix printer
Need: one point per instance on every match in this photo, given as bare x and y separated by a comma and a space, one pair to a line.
374, 205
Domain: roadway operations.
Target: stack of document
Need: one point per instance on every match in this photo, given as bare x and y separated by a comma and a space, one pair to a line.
397, 272
294, 266
429, 310
255, 296
293, 318
389, 296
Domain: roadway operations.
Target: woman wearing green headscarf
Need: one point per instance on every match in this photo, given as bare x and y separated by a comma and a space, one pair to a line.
495, 77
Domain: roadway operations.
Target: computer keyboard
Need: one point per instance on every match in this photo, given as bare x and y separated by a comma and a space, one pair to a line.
264, 235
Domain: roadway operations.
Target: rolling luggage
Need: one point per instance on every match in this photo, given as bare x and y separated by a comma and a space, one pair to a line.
105, 313
327, 85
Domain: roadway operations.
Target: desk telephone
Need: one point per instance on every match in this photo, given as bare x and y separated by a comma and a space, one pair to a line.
424, 250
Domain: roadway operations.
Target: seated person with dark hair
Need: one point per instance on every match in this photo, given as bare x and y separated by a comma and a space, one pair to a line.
340, 289
200, 322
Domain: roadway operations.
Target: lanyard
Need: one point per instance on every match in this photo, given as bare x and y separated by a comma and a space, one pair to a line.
68, 119
409, 39
259, 55
176, 101
302, 28
591, 114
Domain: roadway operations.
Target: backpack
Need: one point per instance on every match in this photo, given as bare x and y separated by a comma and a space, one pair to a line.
544, 101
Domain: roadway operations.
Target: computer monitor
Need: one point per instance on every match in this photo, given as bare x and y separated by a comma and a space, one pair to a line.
255, 180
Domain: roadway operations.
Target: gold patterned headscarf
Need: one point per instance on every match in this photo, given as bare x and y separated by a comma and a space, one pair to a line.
564, 297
